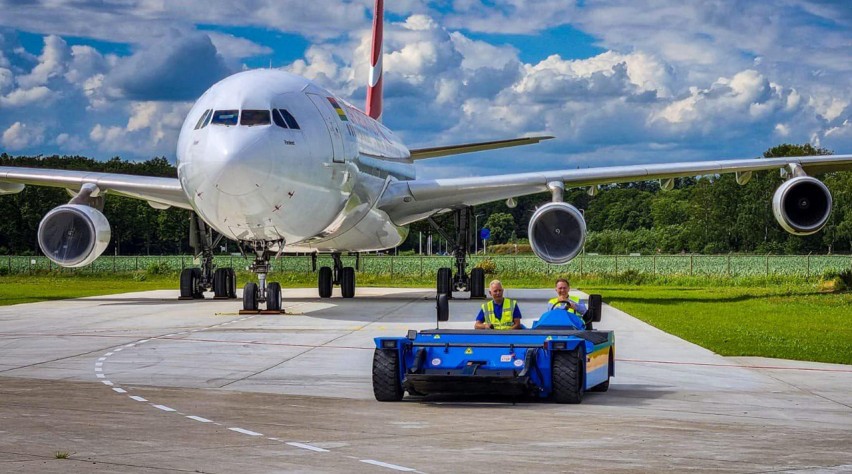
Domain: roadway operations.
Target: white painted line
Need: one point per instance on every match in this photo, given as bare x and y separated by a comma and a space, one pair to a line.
100, 376
198, 418
130, 345
163, 407
119, 349
107, 354
308, 446
389, 466
138, 398
247, 432
168, 335
143, 341
107, 383
99, 369
119, 390
101, 359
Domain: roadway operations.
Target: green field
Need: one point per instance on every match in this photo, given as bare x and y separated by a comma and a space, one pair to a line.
781, 318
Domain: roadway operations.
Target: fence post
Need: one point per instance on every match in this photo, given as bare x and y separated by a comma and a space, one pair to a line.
729, 265
616, 264
655, 264
581, 264
421, 265
808, 274
691, 263
767, 266
392, 259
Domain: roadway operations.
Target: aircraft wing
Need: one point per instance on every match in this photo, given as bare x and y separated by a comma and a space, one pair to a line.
409, 201
435, 152
159, 192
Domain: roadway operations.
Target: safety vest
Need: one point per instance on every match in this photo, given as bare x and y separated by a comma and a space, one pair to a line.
506, 320
554, 303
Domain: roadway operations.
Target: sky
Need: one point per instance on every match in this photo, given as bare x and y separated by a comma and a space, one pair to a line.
615, 81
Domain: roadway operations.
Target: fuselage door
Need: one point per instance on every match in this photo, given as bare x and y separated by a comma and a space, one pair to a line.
334, 118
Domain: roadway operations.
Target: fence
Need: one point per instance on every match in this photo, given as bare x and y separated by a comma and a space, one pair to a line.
693, 265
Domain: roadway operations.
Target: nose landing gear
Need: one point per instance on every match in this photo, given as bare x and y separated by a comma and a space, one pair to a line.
262, 292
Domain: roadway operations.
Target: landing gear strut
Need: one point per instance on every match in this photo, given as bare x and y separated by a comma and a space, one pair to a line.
327, 277
262, 292
461, 281
195, 281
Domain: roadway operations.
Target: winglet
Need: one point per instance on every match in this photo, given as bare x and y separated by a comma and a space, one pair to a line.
374, 88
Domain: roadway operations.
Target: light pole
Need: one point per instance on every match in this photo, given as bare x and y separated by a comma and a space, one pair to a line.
476, 230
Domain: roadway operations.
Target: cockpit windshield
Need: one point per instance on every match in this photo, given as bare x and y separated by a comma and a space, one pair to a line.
225, 117
254, 117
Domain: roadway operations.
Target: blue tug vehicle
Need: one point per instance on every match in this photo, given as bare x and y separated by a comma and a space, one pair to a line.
559, 358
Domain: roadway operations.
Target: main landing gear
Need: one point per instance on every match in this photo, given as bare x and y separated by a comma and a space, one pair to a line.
461, 281
262, 292
195, 281
338, 275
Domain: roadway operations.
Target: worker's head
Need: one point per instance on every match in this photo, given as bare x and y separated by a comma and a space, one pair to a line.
562, 288
496, 289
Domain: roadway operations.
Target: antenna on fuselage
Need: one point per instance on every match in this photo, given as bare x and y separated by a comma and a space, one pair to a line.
374, 88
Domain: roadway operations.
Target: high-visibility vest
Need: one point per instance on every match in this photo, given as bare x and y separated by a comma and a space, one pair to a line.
507, 319
556, 304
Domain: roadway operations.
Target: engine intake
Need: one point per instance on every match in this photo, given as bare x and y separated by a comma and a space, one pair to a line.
801, 205
73, 235
557, 232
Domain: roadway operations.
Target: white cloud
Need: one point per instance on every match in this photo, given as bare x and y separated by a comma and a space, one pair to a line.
52, 63
21, 135
39, 95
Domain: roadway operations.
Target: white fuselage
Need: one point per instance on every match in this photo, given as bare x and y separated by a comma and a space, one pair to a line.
310, 179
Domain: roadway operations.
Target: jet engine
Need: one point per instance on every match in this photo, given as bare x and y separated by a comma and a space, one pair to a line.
802, 205
557, 232
73, 235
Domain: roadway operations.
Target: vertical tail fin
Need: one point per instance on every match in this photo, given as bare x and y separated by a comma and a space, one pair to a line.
374, 88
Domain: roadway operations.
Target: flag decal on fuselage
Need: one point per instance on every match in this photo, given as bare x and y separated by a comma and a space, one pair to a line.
338, 109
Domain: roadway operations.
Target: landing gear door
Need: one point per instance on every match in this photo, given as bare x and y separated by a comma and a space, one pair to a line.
334, 117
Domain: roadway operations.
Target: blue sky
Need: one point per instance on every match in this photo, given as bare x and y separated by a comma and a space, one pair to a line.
616, 81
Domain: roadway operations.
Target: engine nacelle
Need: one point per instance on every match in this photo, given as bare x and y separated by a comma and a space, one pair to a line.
557, 232
802, 205
73, 235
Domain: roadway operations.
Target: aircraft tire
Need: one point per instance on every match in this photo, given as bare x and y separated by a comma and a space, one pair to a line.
324, 282
273, 296
220, 283
567, 376
386, 383
232, 283
186, 283
347, 282
250, 296
445, 281
477, 283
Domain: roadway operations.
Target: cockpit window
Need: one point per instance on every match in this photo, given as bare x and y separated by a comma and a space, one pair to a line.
254, 117
202, 122
225, 117
276, 117
291, 121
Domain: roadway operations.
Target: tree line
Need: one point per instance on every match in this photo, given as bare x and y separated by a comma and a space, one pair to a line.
707, 215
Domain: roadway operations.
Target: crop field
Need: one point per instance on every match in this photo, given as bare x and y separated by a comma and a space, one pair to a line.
419, 266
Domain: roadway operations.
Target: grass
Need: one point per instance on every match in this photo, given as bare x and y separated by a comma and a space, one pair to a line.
781, 317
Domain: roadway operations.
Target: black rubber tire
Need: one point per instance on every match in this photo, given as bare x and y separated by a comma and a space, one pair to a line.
442, 307
273, 296
477, 283
325, 282
567, 376
220, 283
445, 281
196, 284
187, 285
347, 282
386, 383
232, 283
250, 296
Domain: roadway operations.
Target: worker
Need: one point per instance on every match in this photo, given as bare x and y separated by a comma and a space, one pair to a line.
571, 304
500, 312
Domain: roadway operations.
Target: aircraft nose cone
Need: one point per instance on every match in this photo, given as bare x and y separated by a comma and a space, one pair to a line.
238, 165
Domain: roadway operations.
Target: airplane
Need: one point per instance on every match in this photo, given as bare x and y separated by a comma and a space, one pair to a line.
279, 164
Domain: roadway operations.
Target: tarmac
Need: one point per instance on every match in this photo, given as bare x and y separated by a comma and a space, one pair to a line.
142, 382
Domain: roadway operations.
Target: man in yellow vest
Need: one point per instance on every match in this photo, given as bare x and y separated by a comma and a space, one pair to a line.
500, 312
571, 304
